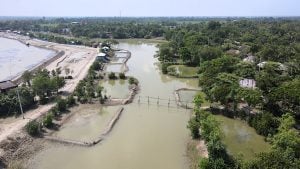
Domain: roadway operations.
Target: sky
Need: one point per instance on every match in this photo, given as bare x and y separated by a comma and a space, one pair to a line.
137, 8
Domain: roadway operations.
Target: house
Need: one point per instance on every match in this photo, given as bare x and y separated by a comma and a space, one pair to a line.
103, 57
281, 66
6, 86
247, 83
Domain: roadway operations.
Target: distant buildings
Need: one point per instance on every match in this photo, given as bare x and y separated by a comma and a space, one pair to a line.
6, 86
281, 66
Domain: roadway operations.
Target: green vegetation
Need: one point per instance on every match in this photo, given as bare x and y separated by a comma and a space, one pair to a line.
9, 104
61, 104
133, 80
122, 76
33, 128
112, 75
48, 120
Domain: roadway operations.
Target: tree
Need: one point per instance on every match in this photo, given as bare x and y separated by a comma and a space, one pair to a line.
70, 100
288, 96
57, 82
165, 52
252, 96
193, 125
48, 120
112, 75
198, 100
287, 139
245, 70
225, 89
122, 76
184, 54
61, 104
264, 123
33, 128
27, 76
42, 85
270, 77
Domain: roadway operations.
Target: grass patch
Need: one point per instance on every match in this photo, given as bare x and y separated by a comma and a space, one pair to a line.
205, 103
183, 71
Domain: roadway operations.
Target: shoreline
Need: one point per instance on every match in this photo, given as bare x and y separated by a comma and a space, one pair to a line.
77, 58
42, 64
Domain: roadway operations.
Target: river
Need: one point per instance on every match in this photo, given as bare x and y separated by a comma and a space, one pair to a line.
15, 57
147, 136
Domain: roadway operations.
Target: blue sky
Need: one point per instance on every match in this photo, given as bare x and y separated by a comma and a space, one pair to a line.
150, 7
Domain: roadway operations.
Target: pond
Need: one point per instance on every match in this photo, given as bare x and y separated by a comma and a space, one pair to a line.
87, 123
241, 138
16, 57
116, 88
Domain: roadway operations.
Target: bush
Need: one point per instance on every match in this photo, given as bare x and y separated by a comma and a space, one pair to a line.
194, 128
71, 101
48, 120
112, 75
133, 80
164, 68
33, 128
54, 111
61, 105
122, 76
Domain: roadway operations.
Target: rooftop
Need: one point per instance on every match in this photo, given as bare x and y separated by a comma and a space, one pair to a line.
4, 85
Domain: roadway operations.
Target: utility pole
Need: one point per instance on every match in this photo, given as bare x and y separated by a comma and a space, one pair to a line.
20, 103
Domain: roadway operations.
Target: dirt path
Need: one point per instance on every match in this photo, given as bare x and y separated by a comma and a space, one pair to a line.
77, 59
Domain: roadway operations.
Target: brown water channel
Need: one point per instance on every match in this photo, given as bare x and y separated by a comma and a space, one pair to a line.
147, 136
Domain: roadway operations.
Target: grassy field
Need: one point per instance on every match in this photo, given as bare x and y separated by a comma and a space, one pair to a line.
182, 71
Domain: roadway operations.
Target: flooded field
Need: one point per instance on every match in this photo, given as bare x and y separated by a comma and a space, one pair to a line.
117, 68
116, 88
16, 57
88, 122
241, 138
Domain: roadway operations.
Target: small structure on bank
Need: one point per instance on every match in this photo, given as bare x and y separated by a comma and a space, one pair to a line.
6, 86
103, 57
280, 65
248, 83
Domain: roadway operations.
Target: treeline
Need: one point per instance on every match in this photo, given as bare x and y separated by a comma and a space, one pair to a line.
89, 28
269, 40
263, 52
219, 49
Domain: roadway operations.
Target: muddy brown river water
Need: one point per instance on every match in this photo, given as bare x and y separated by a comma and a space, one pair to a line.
147, 136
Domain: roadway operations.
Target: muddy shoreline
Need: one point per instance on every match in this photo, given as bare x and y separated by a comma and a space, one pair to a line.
31, 145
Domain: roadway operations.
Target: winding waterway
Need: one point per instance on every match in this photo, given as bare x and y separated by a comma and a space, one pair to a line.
147, 136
